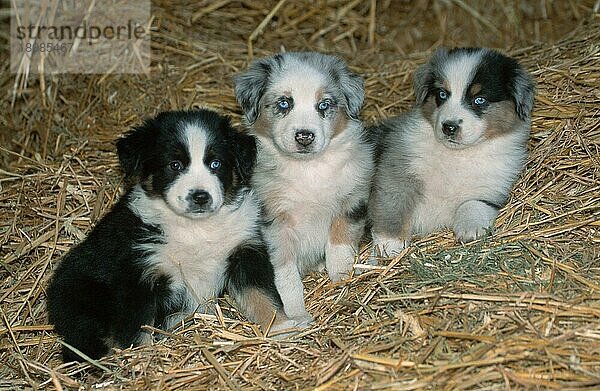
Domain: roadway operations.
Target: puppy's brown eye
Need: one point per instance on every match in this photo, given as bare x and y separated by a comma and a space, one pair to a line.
176, 165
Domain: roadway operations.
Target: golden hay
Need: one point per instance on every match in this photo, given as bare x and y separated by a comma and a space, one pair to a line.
518, 310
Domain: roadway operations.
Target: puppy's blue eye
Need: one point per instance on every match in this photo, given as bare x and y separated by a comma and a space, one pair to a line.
443, 95
283, 104
215, 164
324, 105
176, 165
480, 101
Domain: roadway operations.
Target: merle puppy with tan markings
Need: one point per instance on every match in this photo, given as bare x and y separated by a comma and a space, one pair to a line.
314, 165
187, 230
452, 160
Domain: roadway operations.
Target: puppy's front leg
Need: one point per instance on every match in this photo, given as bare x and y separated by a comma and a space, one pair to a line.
287, 276
391, 206
344, 239
472, 218
290, 287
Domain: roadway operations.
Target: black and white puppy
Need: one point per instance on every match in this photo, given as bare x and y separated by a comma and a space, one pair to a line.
184, 232
452, 160
313, 168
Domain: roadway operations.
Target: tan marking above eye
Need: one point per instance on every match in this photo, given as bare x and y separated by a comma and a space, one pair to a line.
442, 84
319, 94
475, 89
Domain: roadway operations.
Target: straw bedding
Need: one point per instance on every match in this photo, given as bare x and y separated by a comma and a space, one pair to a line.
518, 310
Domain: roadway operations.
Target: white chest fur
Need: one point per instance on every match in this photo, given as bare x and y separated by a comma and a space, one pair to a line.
308, 194
450, 177
193, 252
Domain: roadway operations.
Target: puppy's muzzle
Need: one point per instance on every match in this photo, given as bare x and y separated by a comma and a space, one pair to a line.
304, 137
450, 128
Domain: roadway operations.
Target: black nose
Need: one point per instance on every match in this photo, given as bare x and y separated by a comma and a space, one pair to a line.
305, 137
450, 128
201, 197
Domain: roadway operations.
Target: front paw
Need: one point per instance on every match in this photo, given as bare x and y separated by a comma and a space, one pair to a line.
466, 233
339, 260
473, 220
388, 247
337, 276
291, 327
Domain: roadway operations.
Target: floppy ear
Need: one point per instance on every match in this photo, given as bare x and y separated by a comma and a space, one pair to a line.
524, 93
353, 89
133, 146
424, 75
250, 85
422, 83
244, 153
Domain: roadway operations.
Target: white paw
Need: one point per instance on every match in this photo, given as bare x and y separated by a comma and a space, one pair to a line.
465, 233
473, 220
339, 260
388, 247
290, 327
144, 338
304, 322
305, 319
290, 288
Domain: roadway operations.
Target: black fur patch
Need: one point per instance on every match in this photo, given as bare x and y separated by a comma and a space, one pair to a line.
375, 136
494, 75
358, 212
249, 266
96, 293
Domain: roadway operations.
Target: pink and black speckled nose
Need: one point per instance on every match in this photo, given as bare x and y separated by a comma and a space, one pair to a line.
304, 137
